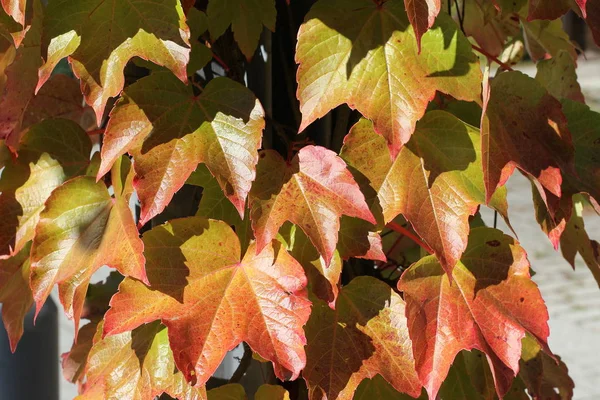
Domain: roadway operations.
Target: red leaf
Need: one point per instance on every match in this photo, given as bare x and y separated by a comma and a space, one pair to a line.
489, 306
524, 127
211, 300
312, 191
421, 14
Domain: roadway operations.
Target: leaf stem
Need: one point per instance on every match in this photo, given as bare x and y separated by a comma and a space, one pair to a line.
93, 132
490, 57
402, 230
243, 366
221, 62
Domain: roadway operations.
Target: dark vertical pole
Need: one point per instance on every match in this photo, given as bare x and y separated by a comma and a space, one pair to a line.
31, 373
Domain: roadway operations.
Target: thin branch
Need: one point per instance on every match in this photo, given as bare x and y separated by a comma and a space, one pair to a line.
490, 57
95, 132
244, 364
221, 62
402, 230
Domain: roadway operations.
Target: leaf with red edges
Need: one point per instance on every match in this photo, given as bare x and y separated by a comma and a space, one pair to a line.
364, 336
100, 45
524, 127
81, 229
169, 130
312, 191
489, 306
591, 13
365, 55
436, 181
15, 294
211, 300
558, 75
16, 9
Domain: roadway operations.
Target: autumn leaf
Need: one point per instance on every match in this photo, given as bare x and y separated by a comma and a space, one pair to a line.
246, 18
312, 191
548, 9
422, 14
591, 12
436, 181
15, 294
524, 127
16, 9
379, 388
169, 130
21, 77
75, 360
364, 336
153, 30
349, 52
10, 29
489, 306
50, 153
81, 229
211, 300
230, 391
144, 362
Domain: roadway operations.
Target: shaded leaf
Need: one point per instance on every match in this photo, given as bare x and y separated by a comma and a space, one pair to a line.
379, 388
15, 294
558, 76
576, 240
21, 77
545, 376
323, 279
591, 13
153, 30
81, 229
548, 9
50, 153
348, 52
312, 191
364, 336
246, 18
524, 127
436, 181
231, 391
75, 360
169, 130
544, 38
488, 26
136, 365
271, 392
211, 300
490, 305
200, 55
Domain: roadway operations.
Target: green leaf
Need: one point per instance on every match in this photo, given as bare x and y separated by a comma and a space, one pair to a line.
576, 240
379, 388
100, 45
312, 191
558, 76
81, 229
169, 130
365, 55
546, 38
364, 336
246, 18
15, 294
231, 391
200, 55
50, 153
436, 182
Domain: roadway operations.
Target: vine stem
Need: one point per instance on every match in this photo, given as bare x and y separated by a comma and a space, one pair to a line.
243, 366
402, 230
502, 65
93, 132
